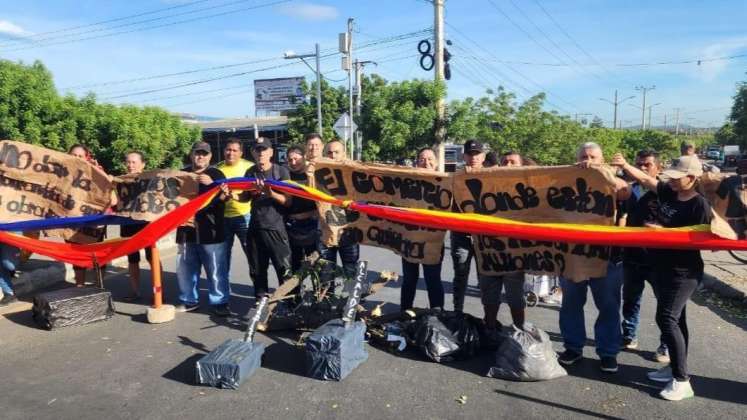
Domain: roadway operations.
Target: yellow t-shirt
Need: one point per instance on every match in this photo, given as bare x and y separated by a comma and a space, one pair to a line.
234, 207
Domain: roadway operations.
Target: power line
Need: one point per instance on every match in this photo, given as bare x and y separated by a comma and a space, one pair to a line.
242, 91
128, 24
552, 41
567, 35
181, 73
520, 74
384, 40
697, 61
152, 27
179, 6
233, 75
520, 28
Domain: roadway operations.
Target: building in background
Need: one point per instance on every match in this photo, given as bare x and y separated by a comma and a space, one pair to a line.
216, 131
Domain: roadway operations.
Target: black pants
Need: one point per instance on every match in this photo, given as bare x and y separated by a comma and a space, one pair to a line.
432, 276
265, 246
674, 289
634, 280
304, 240
461, 255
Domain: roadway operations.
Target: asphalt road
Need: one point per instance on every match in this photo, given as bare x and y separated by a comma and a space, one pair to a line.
126, 368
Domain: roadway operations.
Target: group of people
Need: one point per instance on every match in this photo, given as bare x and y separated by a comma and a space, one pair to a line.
654, 198
277, 228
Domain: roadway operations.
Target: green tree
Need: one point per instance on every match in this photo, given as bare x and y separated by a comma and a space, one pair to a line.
738, 115
397, 118
304, 119
726, 135
32, 111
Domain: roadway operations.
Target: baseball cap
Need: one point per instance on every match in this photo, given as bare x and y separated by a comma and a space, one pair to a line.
473, 146
685, 165
201, 146
262, 143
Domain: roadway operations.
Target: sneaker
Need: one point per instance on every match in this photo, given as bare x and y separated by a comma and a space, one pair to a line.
8, 299
677, 391
608, 364
187, 307
662, 375
662, 354
221, 310
569, 357
630, 343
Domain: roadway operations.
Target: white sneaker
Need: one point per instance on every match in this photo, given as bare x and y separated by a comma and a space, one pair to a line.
662, 375
677, 391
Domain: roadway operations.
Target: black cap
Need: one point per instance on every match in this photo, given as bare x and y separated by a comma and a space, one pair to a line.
262, 143
201, 146
473, 146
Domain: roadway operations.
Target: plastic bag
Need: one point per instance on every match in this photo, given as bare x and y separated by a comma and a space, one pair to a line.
333, 351
446, 336
526, 355
72, 306
230, 364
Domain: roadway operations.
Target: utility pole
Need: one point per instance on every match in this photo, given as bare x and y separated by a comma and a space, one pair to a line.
289, 56
438, 66
358, 65
677, 121
643, 126
350, 84
615, 103
643, 106
665, 122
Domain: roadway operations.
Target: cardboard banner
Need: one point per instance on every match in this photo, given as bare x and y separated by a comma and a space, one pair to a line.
564, 194
38, 183
728, 198
388, 185
151, 194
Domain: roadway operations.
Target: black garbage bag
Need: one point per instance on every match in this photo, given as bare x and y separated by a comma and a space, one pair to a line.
526, 355
446, 336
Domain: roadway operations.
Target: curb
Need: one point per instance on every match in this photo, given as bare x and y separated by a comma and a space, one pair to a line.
38, 274
724, 289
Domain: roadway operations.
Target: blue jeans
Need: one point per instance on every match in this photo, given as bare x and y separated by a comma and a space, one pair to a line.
9, 258
432, 275
634, 281
238, 226
349, 253
606, 292
190, 260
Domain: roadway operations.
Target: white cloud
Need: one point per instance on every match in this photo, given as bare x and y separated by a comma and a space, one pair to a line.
310, 11
12, 30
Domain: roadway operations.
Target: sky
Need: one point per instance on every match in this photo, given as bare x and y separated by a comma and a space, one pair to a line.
201, 56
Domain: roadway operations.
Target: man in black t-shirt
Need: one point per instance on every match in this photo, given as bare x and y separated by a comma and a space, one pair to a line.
267, 239
302, 220
203, 245
641, 208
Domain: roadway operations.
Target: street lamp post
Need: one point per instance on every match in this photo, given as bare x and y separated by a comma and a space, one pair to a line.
290, 56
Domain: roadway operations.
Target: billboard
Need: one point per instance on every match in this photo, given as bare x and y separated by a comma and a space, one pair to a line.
274, 95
